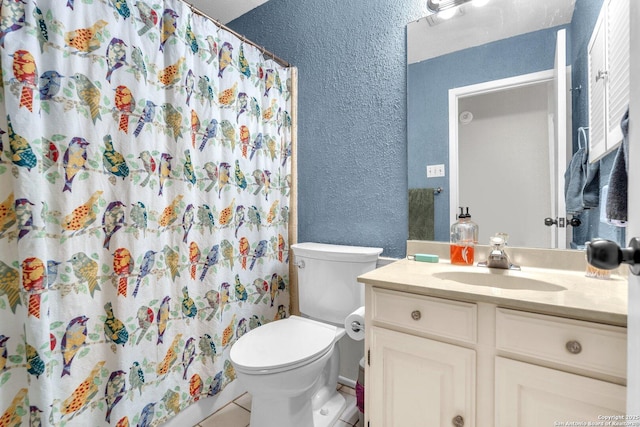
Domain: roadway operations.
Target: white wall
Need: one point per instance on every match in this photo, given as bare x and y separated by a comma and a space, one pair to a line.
633, 230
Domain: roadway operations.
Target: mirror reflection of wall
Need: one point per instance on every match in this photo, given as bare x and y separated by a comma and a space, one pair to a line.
430, 79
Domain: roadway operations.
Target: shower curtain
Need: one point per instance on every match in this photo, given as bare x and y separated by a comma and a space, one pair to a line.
144, 199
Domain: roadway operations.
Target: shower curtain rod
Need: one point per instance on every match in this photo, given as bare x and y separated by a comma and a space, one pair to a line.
241, 37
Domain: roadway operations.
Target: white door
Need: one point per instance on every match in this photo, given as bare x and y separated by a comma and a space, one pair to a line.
417, 382
503, 161
633, 229
559, 149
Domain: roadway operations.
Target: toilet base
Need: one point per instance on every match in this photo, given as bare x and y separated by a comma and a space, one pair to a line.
330, 412
296, 412
319, 406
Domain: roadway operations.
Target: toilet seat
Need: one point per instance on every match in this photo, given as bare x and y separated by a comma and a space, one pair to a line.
282, 345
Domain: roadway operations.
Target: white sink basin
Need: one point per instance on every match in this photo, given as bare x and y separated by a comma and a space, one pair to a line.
503, 279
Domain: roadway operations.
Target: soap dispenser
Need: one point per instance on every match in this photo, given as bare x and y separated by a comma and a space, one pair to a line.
464, 237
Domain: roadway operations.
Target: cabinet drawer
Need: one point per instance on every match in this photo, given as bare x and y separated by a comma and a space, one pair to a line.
584, 345
417, 313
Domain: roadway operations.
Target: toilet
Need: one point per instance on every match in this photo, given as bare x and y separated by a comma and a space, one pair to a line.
291, 366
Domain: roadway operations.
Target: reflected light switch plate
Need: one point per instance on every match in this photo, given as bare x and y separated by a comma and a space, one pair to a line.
435, 171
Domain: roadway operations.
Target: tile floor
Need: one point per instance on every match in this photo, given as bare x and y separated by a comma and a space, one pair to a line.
237, 413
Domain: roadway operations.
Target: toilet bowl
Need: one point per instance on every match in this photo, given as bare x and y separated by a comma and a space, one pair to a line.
290, 368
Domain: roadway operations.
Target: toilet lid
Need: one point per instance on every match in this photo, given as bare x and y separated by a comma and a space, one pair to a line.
282, 343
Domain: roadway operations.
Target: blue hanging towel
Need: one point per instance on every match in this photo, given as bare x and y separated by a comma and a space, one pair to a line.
618, 182
581, 181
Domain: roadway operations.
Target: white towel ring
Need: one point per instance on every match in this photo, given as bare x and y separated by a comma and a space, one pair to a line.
582, 131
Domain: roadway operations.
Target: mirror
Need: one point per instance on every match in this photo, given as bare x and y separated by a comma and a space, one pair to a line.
498, 41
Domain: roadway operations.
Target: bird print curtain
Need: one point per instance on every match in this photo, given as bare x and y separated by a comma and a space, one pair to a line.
144, 199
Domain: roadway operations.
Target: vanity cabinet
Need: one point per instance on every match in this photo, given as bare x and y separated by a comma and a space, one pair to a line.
608, 52
443, 362
414, 378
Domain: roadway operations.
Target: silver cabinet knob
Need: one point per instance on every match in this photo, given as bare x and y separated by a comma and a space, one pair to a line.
573, 347
416, 315
457, 421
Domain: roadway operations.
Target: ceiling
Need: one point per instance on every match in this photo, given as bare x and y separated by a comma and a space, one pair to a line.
475, 26
225, 11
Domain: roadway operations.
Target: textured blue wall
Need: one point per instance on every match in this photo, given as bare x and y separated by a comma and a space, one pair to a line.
586, 13
352, 156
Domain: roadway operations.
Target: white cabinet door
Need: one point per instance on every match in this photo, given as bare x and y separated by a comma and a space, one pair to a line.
597, 90
618, 42
532, 396
419, 382
608, 77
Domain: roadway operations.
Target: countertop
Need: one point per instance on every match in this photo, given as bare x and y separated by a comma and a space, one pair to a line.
569, 293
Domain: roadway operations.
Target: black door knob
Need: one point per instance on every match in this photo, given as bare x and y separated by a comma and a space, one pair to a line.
575, 222
607, 255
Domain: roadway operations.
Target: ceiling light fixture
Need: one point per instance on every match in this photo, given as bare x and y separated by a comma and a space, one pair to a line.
443, 12
437, 6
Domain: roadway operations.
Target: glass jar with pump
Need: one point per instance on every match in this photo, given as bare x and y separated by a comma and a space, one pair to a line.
464, 237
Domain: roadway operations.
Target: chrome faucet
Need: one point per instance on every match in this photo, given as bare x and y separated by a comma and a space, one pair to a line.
498, 257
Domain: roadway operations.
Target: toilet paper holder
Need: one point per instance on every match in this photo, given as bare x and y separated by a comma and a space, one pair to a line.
356, 326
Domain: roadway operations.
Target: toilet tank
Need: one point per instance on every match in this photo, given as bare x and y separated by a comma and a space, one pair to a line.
327, 285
